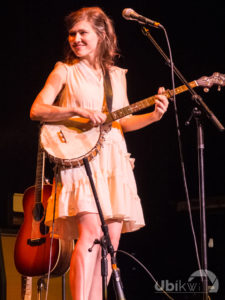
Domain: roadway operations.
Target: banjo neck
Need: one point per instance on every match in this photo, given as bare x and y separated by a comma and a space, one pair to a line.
147, 102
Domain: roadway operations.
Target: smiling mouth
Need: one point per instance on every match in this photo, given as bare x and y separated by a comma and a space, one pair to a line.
77, 46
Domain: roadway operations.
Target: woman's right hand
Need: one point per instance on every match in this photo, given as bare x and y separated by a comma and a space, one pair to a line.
95, 117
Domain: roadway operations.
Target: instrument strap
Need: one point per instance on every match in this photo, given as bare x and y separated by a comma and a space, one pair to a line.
108, 91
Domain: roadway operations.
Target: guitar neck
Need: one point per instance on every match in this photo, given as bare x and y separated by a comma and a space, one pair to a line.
142, 104
26, 288
38, 209
39, 175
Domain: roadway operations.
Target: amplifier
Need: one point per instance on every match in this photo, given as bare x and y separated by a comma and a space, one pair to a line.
17, 209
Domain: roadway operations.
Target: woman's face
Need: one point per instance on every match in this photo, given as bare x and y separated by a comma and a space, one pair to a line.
83, 41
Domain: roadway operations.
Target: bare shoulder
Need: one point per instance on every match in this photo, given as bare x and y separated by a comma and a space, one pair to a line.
60, 69
58, 75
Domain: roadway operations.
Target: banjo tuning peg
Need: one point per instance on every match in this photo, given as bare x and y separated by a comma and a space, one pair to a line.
206, 90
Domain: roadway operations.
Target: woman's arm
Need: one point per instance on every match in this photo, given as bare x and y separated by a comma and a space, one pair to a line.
136, 122
43, 109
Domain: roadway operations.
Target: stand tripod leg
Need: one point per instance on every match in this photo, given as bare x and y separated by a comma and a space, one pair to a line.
106, 245
200, 141
104, 271
63, 287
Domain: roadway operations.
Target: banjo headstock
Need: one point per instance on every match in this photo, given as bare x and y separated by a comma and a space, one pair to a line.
207, 82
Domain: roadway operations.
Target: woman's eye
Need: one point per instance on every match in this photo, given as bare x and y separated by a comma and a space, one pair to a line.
83, 32
73, 34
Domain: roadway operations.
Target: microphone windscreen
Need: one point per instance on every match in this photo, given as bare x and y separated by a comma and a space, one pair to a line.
127, 13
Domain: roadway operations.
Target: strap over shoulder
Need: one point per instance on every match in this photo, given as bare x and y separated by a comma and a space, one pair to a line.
108, 90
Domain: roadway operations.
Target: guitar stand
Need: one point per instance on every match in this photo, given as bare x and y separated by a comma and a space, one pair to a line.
41, 286
106, 247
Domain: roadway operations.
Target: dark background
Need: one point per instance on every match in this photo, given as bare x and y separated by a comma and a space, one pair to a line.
32, 41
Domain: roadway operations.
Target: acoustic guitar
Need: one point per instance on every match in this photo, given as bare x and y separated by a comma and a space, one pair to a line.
33, 242
68, 142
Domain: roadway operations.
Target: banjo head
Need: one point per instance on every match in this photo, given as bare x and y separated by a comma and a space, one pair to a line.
68, 142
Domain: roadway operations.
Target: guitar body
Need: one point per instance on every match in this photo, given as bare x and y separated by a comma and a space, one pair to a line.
31, 255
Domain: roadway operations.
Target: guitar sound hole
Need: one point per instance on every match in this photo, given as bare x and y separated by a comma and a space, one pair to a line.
43, 228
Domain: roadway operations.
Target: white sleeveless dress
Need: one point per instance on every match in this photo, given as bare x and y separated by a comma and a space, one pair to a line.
111, 168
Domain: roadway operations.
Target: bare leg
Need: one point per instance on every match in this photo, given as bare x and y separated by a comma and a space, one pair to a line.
83, 262
96, 287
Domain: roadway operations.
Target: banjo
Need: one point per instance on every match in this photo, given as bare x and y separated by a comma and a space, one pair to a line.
69, 141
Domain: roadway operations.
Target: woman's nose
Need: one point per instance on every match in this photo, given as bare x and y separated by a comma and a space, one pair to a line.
77, 37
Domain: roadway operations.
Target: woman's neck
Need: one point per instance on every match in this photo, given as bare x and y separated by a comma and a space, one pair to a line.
93, 64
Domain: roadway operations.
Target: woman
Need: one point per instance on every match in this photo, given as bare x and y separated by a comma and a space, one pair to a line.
77, 83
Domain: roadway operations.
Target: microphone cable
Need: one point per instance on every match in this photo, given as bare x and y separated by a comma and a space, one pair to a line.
181, 152
143, 20
149, 273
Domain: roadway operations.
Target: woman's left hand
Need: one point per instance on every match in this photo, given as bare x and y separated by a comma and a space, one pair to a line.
161, 104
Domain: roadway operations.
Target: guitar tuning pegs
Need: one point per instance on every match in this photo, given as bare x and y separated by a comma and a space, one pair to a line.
206, 90
219, 88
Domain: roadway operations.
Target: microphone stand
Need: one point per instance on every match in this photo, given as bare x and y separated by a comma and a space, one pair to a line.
200, 110
106, 247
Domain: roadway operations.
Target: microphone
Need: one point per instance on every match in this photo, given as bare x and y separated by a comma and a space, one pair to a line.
130, 14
